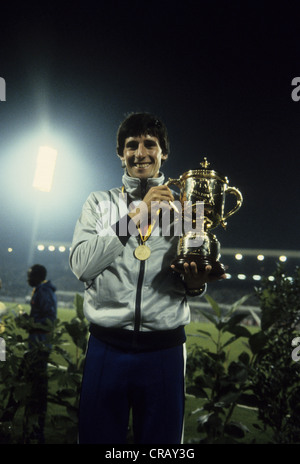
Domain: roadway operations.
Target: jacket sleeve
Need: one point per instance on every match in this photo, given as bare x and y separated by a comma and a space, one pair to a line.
46, 306
95, 242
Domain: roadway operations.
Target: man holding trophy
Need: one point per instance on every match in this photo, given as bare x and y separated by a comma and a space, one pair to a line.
137, 283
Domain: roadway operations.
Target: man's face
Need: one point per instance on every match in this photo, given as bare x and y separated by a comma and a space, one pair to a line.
32, 279
142, 156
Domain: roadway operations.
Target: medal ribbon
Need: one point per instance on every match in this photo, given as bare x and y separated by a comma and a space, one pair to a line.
147, 230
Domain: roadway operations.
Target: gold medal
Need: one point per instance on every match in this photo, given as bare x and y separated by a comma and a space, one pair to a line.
142, 252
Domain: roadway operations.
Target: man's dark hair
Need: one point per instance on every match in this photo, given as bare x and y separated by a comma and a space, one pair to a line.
37, 270
138, 124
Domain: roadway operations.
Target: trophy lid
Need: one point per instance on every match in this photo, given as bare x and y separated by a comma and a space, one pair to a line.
205, 163
204, 171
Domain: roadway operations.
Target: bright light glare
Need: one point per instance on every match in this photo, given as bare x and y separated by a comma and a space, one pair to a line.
282, 258
40, 247
260, 257
238, 256
51, 248
45, 166
241, 276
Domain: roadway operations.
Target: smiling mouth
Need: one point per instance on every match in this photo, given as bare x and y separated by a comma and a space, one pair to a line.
142, 165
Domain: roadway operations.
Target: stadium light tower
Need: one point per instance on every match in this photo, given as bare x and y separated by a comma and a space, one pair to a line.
43, 178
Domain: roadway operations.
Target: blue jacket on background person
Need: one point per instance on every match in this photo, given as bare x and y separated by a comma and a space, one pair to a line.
44, 303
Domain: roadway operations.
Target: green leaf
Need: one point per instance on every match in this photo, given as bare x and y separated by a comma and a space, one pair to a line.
236, 429
209, 316
248, 399
197, 391
77, 329
231, 340
238, 372
257, 342
255, 316
208, 334
236, 319
204, 418
269, 317
244, 358
217, 357
238, 303
78, 303
240, 331
229, 397
214, 305
204, 381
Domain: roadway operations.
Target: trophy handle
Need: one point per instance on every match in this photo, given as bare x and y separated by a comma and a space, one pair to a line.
173, 182
239, 202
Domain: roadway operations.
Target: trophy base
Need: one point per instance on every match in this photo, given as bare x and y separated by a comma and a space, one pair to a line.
217, 270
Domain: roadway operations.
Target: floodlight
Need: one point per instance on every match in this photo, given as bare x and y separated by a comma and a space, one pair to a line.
45, 166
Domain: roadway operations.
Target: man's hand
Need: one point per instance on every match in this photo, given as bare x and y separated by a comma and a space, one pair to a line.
156, 198
195, 279
158, 194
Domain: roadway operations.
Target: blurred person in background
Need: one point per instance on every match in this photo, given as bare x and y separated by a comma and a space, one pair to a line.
39, 323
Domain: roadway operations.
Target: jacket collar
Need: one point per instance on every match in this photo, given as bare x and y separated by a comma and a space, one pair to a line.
137, 188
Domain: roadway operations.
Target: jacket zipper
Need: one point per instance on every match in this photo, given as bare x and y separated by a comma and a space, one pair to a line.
138, 298
137, 319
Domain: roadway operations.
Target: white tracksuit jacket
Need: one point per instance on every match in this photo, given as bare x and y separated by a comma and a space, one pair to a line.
121, 291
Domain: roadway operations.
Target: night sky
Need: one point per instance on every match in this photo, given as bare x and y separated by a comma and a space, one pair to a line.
219, 75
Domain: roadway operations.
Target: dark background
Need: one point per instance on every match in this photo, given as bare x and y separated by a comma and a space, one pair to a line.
218, 74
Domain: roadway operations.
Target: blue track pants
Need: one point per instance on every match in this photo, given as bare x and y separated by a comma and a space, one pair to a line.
149, 383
